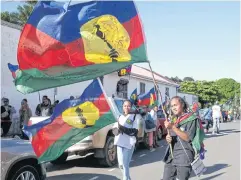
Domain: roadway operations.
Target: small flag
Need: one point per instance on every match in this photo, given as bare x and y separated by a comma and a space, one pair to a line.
133, 97
13, 69
148, 99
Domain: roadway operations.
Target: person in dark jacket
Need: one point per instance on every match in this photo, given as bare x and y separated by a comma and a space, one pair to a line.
6, 113
182, 132
45, 108
39, 106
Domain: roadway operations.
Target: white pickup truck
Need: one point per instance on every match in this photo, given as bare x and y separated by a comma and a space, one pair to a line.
101, 143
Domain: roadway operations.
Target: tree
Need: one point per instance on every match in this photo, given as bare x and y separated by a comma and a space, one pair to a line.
176, 79
206, 91
227, 89
188, 79
9, 17
223, 90
21, 16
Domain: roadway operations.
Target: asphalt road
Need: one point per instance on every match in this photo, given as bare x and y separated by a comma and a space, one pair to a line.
222, 161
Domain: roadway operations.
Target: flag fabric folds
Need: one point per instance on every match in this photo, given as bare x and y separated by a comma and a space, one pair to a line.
63, 43
71, 122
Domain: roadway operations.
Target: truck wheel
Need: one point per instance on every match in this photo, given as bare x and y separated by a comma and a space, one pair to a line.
110, 152
61, 159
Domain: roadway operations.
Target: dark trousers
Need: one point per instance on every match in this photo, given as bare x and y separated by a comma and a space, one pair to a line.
5, 126
172, 172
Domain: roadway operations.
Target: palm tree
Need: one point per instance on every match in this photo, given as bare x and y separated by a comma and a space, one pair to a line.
21, 16
23, 13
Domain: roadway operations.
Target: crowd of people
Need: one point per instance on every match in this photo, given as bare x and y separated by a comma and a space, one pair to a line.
182, 125
45, 108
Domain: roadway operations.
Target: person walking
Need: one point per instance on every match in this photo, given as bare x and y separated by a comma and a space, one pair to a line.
207, 117
182, 132
125, 139
217, 115
153, 114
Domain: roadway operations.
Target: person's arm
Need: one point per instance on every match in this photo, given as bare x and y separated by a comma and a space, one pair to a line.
29, 113
38, 110
189, 132
128, 131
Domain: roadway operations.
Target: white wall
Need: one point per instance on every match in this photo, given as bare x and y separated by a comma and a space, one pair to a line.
9, 44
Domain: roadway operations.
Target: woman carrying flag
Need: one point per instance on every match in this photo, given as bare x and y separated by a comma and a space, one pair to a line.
185, 143
125, 139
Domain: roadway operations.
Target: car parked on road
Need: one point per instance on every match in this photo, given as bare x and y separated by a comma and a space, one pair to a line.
19, 162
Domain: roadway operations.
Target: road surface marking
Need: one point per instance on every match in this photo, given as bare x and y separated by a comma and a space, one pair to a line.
96, 177
111, 169
142, 155
152, 150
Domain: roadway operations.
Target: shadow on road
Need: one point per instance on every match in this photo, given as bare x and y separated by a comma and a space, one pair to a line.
215, 168
82, 176
89, 161
92, 162
221, 133
212, 177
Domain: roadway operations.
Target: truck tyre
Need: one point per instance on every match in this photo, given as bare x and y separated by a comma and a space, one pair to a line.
110, 152
61, 159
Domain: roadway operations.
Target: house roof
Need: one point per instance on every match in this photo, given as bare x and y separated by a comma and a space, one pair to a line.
146, 73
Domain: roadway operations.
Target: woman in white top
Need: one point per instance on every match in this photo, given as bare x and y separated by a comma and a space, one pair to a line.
126, 139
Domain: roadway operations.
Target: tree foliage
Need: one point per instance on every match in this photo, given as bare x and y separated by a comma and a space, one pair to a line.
221, 90
188, 79
22, 14
176, 79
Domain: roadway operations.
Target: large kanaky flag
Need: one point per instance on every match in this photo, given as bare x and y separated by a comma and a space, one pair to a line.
64, 43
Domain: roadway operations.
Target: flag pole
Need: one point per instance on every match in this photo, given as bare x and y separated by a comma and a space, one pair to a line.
164, 112
106, 97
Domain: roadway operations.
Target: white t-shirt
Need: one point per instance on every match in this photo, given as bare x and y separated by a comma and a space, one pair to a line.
216, 111
125, 140
154, 116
